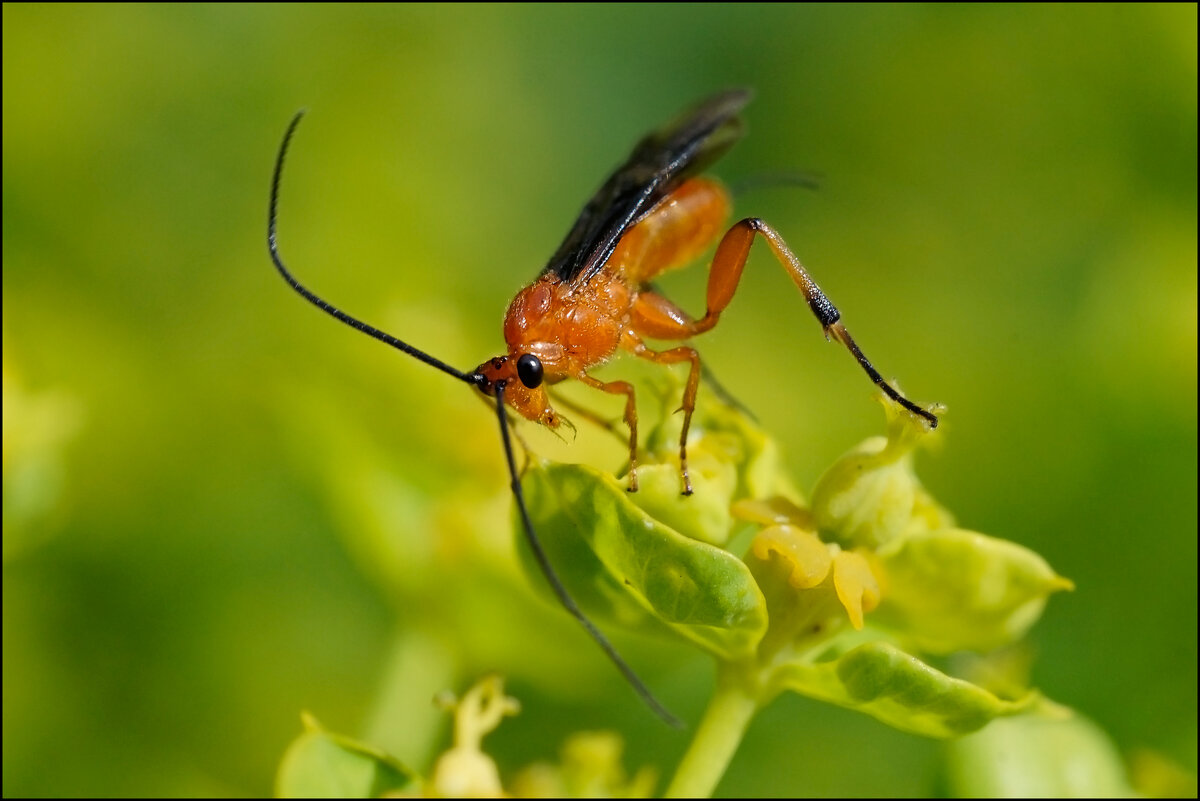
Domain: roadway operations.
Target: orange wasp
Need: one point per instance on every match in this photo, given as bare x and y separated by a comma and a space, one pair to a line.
593, 298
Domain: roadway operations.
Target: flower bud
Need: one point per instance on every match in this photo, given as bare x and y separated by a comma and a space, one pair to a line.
871, 495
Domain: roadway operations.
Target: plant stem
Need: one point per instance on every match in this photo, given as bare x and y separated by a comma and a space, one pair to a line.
718, 736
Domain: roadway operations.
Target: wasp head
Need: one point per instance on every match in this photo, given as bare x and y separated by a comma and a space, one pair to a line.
522, 377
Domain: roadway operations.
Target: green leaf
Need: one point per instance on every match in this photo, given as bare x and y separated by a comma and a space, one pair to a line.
1037, 755
898, 689
618, 561
320, 764
953, 589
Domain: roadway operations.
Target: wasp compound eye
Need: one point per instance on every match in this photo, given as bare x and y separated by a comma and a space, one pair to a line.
529, 370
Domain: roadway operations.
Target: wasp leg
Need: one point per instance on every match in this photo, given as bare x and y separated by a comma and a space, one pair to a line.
674, 356
655, 316
726, 272
626, 389
648, 318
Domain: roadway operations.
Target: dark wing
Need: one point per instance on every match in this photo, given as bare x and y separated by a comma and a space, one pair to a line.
658, 164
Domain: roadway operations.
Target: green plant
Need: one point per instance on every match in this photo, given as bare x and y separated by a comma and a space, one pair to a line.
853, 598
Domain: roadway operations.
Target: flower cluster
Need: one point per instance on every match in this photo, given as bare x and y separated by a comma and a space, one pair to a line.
838, 599
847, 598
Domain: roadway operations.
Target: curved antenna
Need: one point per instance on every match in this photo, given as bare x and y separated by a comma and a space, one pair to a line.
556, 584
470, 378
476, 379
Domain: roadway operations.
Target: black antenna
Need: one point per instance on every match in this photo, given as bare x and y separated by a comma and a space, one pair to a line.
371, 331
556, 584
477, 379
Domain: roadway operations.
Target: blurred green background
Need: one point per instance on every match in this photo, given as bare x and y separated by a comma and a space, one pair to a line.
221, 507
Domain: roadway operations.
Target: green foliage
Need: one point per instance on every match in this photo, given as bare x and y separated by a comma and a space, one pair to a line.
320, 764
1052, 753
900, 690
952, 589
643, 570
323, 765
789, 614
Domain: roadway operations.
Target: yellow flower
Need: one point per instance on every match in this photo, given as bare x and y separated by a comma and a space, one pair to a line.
817, 572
